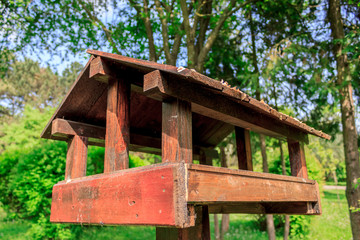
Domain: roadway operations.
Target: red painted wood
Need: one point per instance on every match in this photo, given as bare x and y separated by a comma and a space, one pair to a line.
135, 196
76, 157
243, 147
297, 159
117, 138
176, 132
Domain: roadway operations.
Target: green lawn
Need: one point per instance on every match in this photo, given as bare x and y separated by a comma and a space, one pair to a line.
332, 224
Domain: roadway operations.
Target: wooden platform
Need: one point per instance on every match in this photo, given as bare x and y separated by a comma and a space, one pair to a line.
165, 195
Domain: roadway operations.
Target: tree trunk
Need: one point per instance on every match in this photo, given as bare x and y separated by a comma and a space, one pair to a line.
347, 117
287, 218
225, 219
216, 227
269, 218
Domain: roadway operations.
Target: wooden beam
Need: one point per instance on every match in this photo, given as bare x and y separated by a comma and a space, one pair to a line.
199, 231
243, 148
64, 130
176, 132
297, 159
245, 186
217, 106
117, 138
165, 195
151, 195
76, 157
99, 70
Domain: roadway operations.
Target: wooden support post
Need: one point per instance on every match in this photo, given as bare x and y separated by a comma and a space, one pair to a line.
299, 169
176, 132
177, 147
297, 159
117, 138
243, 147
198, 232
205, 159
76, 157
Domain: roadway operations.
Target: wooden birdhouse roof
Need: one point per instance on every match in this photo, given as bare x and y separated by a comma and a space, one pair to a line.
216, 106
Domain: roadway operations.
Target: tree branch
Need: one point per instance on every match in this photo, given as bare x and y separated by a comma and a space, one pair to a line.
102, 25
190, 39
177, 44
148, 28
204, 24
164, 32
231, 9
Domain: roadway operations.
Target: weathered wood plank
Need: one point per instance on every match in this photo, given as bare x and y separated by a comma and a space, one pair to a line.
76, 157
243, 148
265, 208
117, 138
297, 159
139, 142
176, 132
99, 70
217, 106
211, 186
64, 128
148, 195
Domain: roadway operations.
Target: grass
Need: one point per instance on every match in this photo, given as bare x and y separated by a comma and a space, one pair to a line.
14, 230
334, 223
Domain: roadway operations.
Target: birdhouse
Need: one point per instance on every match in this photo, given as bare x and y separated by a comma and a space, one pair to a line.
126, 104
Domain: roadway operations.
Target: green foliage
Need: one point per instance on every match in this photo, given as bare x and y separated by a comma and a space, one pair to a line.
27, 83
30, 166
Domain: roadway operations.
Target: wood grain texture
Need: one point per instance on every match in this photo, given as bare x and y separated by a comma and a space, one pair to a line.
223, 89
117, 138
297, 159
99, 70
140, 140
64, 128
216, 106
76, 157
238, 191
176, 131
243, 148
211, 185
140, 196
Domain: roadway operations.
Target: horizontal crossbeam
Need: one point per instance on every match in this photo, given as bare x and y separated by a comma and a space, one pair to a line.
206, 102
64, 129
165, 195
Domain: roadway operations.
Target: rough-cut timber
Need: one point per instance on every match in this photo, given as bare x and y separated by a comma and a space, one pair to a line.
224, 89
198, 232
243, 148
164, 195
204, 102
117, 138
297, 159
176, 132
76, 157
64, 130
147, 195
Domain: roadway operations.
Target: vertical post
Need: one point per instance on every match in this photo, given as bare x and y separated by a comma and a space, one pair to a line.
177, 147
117, 138
299, 169
76, 157
198, 232
297, 159
176, 142
204, 159
243, 147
